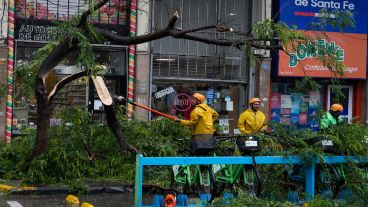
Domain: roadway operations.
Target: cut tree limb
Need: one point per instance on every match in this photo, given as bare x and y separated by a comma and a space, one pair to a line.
102, 90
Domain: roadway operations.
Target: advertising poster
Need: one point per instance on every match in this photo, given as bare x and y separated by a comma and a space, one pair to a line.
275, 115
314, 99
224, 126
286, 101
285, 119
294, 119
210, 96
304, 107
285, 111
313, 120
296, 99
275, 101
303, 119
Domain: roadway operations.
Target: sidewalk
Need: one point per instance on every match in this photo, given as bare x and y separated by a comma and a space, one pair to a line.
46, 190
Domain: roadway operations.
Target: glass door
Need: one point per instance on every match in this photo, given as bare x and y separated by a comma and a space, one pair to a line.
345, 98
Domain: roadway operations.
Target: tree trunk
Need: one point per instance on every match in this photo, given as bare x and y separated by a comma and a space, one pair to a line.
43, 104
43, 120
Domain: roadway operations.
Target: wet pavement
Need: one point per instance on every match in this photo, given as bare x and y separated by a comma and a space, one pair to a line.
58, 200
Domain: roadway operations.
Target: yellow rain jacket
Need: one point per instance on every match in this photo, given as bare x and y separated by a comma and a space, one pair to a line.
201, 120
251, 122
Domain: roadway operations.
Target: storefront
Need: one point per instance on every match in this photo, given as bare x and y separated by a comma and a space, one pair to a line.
35, 26
181, 67
300, 107
174, 98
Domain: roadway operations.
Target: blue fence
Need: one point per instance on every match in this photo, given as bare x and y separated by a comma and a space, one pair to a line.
260, 160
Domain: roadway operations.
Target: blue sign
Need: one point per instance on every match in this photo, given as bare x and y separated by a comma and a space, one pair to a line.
303, 13
265, 66
210, 96
275, 115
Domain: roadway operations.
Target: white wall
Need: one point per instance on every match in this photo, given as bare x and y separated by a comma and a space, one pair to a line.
142, 82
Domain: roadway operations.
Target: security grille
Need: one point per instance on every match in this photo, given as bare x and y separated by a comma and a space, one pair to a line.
174, 58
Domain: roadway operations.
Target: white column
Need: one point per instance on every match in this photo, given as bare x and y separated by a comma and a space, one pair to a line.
143, 60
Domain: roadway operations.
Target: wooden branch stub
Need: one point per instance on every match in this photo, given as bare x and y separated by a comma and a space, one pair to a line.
102, 90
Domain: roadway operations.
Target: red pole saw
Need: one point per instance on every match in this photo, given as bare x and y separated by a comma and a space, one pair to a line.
121, 98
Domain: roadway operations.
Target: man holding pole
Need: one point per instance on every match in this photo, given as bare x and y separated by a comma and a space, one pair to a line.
201, 125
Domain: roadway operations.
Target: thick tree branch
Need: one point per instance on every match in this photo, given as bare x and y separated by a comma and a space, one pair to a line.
184, 34
237, 42
173, 20
55, 57
199, 29
125, 40
114, 125
63, 82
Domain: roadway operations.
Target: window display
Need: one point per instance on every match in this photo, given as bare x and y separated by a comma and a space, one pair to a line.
175, 99
290, 107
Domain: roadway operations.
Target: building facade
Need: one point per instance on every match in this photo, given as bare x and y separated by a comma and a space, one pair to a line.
348, 45
35, 23
169, 70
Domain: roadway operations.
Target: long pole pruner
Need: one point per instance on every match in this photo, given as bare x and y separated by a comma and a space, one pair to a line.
122, 99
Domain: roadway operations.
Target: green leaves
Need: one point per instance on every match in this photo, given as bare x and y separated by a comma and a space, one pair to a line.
342, 19
82, 149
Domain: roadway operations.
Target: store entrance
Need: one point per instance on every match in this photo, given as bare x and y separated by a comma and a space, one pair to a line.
345, 98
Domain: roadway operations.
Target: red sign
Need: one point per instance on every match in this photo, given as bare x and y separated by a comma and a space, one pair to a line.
182, 102
349, 49
276, 101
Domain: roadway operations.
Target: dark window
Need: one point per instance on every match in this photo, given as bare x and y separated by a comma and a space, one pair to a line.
189, 59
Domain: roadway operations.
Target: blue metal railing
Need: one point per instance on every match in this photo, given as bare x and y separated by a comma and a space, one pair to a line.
260, 160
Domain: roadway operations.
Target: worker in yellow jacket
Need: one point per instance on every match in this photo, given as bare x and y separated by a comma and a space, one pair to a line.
252, 120
201, 125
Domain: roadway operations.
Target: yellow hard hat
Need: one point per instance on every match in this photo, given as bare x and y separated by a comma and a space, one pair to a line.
337, 107
199, 97
70, 199
85, 204
252, 100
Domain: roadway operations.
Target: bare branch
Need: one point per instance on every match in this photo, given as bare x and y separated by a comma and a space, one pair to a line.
173, 20
125, 40
184, 34
211, 41
198, 29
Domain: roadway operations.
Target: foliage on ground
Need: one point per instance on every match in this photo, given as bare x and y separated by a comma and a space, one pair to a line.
246, 200
82, 149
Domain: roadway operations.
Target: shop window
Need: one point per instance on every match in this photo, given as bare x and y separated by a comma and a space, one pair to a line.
175, 99
175, 58
292, 108
75, 93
